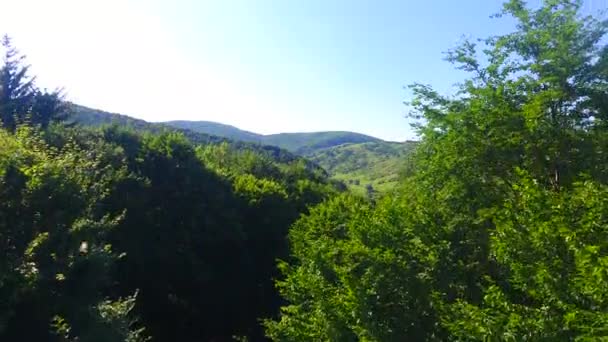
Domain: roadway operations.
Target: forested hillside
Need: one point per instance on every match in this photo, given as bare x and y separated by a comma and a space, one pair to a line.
306, 143
120, 234
89, 117
366, 168
365, 164
299, 143
217, 129
496, 228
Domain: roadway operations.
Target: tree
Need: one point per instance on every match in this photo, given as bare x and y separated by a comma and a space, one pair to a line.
17, 89
20, 100
551, 249
531, 121
49, 107
360, 274
212, 217
55, 261
497, 209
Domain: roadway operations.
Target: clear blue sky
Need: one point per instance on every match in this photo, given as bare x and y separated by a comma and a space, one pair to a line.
266, 66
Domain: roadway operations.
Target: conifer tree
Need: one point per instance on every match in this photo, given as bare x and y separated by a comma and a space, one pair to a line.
20, 100
17, 89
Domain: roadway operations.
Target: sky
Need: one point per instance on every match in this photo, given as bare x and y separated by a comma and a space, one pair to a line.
266, 66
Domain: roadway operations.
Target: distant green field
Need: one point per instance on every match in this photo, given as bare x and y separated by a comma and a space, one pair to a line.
359, 166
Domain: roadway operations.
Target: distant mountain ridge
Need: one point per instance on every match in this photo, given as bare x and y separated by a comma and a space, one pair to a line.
216, 128
363, 162
299, 143
85, 116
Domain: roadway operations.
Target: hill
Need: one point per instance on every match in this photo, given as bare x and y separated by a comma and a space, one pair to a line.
85, 116
94, 117
364, 167
299, 143
364, 163
308, 143
218, 129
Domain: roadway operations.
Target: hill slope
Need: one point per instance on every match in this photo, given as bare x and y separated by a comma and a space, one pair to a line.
218, 129
94, 117
364, 163
308, 143
299, 143
86, 116
376, 164
358, 160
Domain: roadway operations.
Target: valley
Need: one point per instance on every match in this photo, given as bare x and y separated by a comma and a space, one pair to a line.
365, 164
492, 226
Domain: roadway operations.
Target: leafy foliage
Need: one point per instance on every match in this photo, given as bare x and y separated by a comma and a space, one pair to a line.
497, 231
55, 257
88, 218
500, 219
363, 275
212, 217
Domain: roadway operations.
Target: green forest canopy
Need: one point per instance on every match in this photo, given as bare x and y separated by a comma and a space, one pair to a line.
497, 231
120, 234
